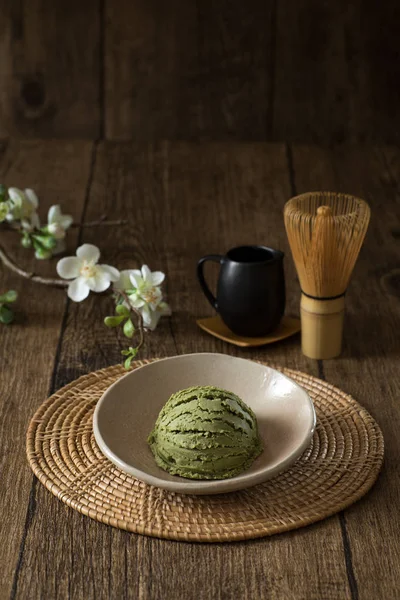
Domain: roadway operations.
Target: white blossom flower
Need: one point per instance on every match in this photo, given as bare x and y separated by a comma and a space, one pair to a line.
142, 287
86, 274
31, 223
141, 279
57, 224
24, 206
144, 279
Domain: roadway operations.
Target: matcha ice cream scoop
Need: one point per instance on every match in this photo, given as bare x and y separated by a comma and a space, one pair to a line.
205, 433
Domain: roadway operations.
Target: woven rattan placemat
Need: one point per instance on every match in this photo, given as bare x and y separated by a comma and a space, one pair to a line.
341, 464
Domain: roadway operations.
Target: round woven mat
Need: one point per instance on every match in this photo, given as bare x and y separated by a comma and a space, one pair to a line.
340, 465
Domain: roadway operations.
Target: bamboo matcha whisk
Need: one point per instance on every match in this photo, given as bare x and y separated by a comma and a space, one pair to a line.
325, 231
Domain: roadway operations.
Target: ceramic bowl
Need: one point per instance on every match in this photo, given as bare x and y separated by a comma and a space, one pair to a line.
127, 411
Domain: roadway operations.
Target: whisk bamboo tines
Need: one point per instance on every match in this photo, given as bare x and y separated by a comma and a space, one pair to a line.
325, 231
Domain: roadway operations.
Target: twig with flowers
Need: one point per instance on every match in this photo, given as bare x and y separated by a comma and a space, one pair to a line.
137, 294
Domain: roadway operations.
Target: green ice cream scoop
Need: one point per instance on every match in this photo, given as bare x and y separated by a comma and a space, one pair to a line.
205, 433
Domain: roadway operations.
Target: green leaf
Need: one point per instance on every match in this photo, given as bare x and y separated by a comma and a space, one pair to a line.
26, 241
122, 310
40, 250
47, 241
4, 210
129, 329
3, 193
113, 321
6, 315
9, 297
130, 354
128, 361
42, 253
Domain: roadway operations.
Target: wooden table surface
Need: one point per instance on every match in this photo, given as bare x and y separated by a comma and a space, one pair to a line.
183, 200
261, 70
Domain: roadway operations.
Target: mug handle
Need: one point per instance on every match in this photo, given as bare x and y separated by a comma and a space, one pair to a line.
218, 258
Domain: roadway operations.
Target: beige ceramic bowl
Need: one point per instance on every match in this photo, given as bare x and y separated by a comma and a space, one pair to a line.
127, 411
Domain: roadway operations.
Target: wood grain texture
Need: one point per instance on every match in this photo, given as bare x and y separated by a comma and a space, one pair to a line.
368, 368
50, 73
149, 70
182, 200
188, 70
28, 347
336, 72
276, 70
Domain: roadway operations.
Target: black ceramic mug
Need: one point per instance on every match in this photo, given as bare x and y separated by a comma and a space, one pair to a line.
250, 290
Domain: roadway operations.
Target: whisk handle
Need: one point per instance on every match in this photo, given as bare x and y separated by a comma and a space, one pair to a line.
321, 326
200, 274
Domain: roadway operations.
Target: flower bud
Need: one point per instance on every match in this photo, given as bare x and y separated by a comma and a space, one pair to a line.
42, 253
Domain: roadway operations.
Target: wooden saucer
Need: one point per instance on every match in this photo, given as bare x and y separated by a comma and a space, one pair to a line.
216, 327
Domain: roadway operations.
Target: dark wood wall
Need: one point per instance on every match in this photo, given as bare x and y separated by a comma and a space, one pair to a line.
301, 70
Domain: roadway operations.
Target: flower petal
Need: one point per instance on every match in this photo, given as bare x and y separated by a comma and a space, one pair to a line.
136, 278
150, 318
113, 273
153, 297
157, 277
124, 282
78, 289
100, 282
33, 199
16, 195
136, 301
146, 314
88, 252
69, 267
26, 225
146, 274
53, 214
35, 221
155, 317
66, 221
56, 230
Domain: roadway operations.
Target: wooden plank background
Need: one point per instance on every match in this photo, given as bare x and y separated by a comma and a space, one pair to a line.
183, 200
148, 70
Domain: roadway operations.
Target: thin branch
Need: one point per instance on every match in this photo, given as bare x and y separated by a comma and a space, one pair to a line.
101, 221
8, 262
97, 223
